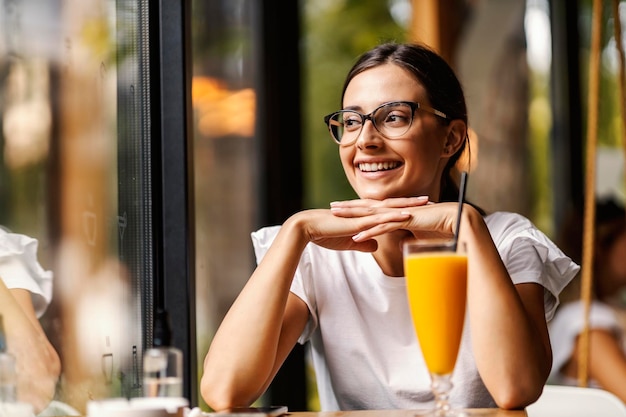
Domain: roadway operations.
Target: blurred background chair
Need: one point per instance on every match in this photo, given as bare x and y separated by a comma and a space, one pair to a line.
568, 401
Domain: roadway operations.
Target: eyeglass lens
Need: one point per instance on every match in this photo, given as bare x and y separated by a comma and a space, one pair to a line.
391, 120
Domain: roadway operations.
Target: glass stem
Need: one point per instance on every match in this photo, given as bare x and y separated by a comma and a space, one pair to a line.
441, 386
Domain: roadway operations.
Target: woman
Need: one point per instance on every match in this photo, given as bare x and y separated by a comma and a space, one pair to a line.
607, 339
25, 293
334, 277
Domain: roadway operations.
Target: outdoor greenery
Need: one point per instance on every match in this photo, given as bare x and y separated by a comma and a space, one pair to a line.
334, 34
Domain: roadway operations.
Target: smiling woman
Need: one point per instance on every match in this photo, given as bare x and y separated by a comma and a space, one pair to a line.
332, 277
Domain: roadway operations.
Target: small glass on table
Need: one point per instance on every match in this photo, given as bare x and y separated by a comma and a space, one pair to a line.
436, 277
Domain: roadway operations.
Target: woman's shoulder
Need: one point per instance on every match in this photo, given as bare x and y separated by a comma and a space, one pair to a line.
514, 233
507, 220
530, 255
262, 240
506, 227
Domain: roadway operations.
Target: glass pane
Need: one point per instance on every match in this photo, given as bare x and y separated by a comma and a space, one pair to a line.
224, 101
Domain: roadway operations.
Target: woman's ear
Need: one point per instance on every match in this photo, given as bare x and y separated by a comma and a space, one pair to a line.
457, 130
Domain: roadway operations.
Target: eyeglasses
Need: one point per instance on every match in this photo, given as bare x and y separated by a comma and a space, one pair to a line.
390, 119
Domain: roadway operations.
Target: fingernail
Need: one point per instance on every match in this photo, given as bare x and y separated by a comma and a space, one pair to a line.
356, 237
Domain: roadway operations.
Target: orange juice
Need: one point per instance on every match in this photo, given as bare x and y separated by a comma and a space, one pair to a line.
436, 288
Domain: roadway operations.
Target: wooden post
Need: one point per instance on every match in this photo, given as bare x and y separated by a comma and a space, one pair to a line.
590, 192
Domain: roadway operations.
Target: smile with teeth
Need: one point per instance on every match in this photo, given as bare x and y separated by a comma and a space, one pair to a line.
378, 166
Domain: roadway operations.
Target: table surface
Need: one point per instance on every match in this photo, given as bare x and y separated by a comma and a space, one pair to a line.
479, 412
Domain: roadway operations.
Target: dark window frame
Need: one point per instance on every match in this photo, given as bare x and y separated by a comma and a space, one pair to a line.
174, 228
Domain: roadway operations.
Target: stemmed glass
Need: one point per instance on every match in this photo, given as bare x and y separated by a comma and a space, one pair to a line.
436, 277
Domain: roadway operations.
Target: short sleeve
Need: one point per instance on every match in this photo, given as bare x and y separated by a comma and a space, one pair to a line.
262, 240
530, 256
19, 268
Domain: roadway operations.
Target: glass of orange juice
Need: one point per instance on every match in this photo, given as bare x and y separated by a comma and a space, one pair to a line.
436, 277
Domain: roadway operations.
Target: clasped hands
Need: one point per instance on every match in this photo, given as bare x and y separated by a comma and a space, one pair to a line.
353, 224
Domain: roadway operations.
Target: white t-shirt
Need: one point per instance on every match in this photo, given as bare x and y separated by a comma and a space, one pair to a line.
363, 345
19, 268
567, 325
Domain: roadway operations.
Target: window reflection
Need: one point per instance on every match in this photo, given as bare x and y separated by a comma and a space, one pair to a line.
222, 112
224, 105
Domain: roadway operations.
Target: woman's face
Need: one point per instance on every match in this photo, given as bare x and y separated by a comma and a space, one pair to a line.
414, 161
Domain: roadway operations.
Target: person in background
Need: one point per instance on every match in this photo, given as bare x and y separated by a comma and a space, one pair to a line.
334, 277
607, 359
25, 293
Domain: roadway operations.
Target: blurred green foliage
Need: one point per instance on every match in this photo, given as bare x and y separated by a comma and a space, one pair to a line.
334, 34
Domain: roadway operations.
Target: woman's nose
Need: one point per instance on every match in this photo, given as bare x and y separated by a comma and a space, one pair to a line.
369, 136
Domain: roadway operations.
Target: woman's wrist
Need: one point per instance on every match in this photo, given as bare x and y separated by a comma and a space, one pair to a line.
296, 228
472, 224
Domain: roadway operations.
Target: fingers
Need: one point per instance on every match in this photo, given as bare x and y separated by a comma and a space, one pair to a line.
364, 220
436, 219
336, 232
388, 202
379, 229
360, 208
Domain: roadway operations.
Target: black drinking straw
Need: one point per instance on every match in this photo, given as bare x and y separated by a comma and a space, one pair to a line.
461, 201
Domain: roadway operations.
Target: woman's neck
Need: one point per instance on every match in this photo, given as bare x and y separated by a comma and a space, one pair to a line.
389, 252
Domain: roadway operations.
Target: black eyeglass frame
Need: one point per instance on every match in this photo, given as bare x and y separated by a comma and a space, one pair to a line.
364, 117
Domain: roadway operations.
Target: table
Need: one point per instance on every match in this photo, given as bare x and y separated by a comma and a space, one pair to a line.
135, 408
479, 412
